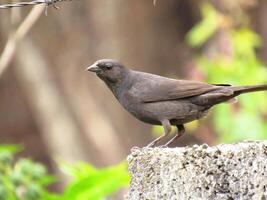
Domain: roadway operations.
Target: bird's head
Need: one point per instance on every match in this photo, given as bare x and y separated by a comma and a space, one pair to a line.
111, 71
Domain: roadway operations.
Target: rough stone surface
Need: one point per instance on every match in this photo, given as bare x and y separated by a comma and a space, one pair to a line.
223, 172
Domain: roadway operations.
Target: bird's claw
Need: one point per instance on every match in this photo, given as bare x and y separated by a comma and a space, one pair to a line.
163, 146
151, 145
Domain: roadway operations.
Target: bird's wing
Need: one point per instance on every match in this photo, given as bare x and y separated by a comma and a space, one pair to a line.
156, 88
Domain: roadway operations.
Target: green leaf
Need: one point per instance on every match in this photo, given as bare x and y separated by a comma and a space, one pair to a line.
46, 180
245, 41
77, 170
98, 184
11, 148
51, 196
201, 32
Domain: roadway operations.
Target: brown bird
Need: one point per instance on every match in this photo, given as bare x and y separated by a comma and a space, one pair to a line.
164, 101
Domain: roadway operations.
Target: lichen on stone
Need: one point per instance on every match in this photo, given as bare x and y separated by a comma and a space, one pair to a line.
228, 171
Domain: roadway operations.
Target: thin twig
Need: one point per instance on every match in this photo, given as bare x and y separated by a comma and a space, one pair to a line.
31, 3
14, 38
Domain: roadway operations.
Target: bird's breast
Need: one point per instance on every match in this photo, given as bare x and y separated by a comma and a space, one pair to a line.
138, 109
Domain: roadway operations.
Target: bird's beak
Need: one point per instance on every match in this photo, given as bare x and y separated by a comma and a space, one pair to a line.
93, 68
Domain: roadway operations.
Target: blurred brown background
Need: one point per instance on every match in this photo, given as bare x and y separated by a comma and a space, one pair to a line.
51, 106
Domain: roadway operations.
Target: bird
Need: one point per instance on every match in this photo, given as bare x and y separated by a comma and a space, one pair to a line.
159, 100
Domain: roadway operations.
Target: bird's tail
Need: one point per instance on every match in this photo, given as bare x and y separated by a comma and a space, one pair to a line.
245, 89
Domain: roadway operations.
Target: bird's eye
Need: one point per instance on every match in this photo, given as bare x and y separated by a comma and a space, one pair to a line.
108, 66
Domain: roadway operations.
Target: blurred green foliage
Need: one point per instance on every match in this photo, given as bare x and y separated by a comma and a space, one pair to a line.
204, 29
25, 179
94, 184
239, 66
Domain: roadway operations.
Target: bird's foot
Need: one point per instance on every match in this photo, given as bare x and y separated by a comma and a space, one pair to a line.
135, 148
163, 146
151, 145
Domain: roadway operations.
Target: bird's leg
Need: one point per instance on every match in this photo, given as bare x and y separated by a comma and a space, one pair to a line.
180, 132
167, 129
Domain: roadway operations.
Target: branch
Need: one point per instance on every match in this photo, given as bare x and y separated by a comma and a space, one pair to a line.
31, 3
15, 38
